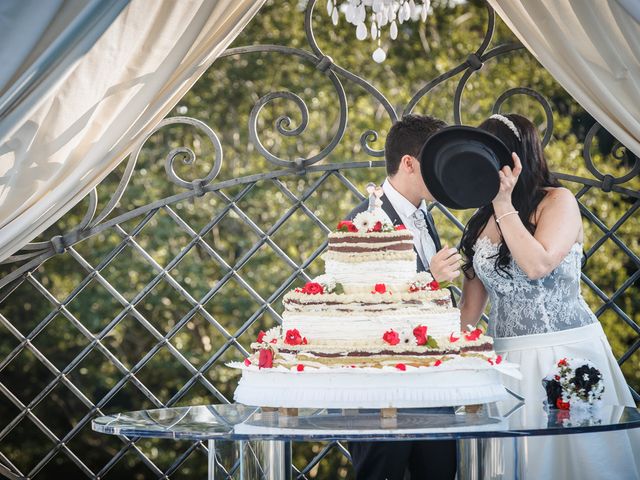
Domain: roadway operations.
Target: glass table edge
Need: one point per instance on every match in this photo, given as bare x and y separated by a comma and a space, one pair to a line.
232, 435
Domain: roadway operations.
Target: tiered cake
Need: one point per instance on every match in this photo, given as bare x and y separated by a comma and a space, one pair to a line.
371, 332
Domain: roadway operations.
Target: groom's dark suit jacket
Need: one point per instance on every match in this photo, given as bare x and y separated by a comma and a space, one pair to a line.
428, 460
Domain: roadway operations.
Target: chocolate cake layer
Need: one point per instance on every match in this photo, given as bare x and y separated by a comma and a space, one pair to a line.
371, 354
382, 238
398, 247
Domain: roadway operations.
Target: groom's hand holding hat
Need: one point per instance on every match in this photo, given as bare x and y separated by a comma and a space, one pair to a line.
445, 265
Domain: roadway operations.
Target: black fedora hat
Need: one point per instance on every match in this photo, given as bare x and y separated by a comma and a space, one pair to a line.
460, 165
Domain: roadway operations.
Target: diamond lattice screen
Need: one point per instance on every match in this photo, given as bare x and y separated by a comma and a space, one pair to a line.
141, 307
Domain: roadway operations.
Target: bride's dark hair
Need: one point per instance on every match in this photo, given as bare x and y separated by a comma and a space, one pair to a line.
527, 194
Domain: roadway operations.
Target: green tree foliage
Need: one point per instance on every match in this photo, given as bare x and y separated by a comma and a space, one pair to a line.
223, 98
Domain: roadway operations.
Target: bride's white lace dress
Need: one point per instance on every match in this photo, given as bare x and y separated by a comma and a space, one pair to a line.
536, 323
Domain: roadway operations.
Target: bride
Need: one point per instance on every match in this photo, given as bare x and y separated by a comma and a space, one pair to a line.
523, 254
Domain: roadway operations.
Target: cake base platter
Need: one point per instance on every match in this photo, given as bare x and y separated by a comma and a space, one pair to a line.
465, 381
326, 422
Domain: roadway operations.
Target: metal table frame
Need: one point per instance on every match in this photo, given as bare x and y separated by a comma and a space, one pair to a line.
250, 443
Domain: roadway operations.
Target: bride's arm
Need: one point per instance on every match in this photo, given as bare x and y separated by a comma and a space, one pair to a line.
473, 301
557, 229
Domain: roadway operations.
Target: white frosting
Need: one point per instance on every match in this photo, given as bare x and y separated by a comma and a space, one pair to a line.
390, 299
396, 234
373, 256
368, 308
462, 381
358, 316
370, 325
372, 246
360, 277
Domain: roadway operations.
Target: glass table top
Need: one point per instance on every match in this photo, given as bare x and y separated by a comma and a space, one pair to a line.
509, 418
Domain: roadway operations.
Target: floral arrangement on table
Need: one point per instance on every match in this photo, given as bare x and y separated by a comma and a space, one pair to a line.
573, 383
584, 417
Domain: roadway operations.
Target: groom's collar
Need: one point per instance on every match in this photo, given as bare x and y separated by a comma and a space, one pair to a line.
399, 202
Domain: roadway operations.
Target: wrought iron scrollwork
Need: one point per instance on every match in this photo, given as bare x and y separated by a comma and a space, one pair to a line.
548, 131
35, 253
618, 151
93, 222
188, 156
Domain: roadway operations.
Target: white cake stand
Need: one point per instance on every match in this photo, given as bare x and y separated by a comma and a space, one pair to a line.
464, 381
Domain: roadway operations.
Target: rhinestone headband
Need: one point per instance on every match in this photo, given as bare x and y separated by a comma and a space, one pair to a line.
508, 123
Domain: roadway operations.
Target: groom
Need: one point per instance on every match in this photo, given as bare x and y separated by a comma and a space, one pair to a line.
404, 201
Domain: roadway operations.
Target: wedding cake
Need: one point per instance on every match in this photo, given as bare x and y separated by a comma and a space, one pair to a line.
371, 333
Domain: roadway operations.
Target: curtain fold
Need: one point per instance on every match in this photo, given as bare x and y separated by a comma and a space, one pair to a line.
70, 28
632, 7
112, 81
592, 48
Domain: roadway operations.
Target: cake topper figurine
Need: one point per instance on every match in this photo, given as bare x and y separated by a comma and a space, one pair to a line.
375, 192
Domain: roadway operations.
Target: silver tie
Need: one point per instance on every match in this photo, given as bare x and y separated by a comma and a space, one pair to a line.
426, 248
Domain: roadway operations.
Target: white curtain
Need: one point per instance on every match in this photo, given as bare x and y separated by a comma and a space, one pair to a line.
81, 82
632, 7
592, 48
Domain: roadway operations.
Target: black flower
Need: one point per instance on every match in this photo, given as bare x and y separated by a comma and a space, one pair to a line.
586, 378
554, 391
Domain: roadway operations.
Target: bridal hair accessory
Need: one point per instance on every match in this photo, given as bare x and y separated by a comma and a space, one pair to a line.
508, 123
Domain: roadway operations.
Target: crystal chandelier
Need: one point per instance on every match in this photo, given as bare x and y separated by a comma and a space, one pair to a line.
380, 13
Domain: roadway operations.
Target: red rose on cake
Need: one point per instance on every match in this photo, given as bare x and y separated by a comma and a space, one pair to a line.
265, 358
293, 337
423, 281
391, 337
379, 288
346, 226
474, 335
420, 332
312, 288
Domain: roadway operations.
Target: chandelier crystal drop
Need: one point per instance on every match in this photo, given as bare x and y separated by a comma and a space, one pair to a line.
370, 17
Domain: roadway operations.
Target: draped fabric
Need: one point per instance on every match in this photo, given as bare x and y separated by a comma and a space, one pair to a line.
82, 81
592, 48
632, 7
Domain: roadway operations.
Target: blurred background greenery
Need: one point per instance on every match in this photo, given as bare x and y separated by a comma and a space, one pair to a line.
223, 98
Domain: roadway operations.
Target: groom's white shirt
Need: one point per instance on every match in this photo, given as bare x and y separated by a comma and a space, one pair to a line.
423, 243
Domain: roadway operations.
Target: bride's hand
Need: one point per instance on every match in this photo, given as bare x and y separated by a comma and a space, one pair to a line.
508, 180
